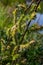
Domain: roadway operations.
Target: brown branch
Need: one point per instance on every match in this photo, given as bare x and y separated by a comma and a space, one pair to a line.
38, 2
29, 23
36, 28
29, 6
25, 46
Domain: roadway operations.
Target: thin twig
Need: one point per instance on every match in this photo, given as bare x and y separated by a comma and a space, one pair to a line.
29, 22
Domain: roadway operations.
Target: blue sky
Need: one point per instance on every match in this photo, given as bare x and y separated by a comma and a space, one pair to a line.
41, 20
38, 19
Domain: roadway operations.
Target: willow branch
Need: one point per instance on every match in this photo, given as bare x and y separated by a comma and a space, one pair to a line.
29, 22
38, 2
29, 6
36, 28
25, 46
27, 25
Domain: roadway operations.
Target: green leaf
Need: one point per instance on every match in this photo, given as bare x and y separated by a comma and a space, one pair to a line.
40, 8
15, 56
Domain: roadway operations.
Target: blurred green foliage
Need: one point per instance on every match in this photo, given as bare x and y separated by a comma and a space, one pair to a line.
40, 8
13, 22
